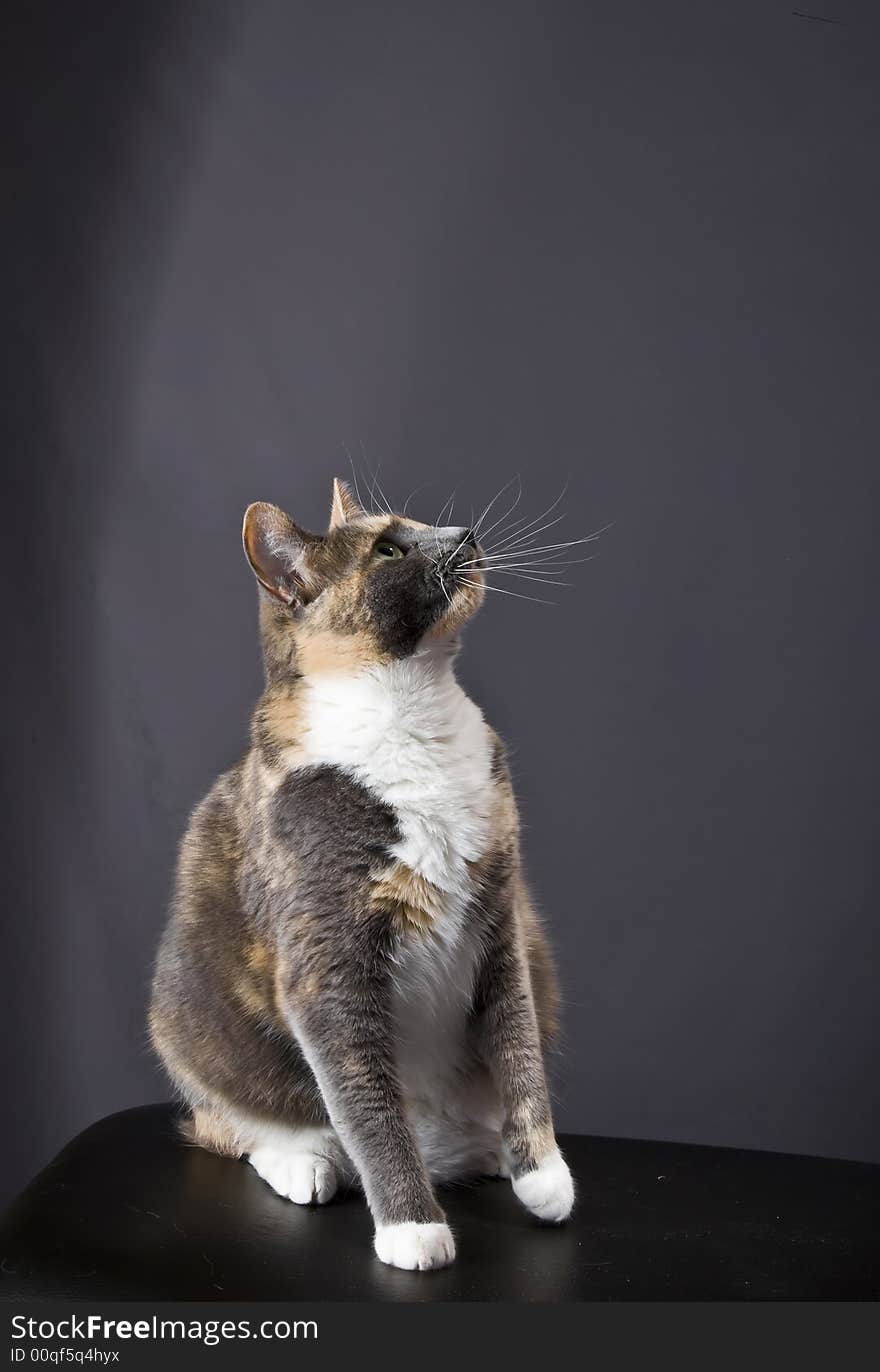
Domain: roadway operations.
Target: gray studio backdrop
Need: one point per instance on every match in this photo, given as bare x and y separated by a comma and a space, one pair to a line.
625, 245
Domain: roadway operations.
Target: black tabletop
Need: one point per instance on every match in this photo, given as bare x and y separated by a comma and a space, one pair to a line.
128, 1211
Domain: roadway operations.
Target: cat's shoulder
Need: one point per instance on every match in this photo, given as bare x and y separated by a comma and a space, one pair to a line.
216, 812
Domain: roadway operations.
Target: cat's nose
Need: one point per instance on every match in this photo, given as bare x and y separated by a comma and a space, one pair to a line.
453, 539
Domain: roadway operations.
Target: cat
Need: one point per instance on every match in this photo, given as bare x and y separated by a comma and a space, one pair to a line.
353, 986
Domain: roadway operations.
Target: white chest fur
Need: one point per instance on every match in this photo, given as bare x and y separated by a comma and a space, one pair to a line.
410, 735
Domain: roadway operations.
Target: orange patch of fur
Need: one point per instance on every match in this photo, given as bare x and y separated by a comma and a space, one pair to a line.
283, 715
325, 650
414, 902
259, 957
254, 988
209, 1130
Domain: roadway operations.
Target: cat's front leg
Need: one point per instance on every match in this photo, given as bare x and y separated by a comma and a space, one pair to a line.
511, 1046
340, 1011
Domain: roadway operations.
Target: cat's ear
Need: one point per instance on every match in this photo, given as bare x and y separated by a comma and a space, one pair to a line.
345, 507
277, 550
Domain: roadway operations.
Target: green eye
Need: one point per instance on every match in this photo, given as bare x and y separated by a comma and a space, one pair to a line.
384, 548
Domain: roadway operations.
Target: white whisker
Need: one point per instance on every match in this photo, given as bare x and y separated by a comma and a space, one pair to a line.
412, 494
537, 520
529, 576
449, 501
479, 524
554, 563
354, 476
523, 539
371, 492
501, 591
549, 547
507, 513
377, 486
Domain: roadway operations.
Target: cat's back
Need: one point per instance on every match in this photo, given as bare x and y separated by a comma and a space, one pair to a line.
205, 935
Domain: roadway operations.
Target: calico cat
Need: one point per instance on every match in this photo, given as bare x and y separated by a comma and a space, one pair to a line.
353, 984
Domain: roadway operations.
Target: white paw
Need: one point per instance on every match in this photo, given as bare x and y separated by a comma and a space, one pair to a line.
548, 1191
306, 1178
416, 1247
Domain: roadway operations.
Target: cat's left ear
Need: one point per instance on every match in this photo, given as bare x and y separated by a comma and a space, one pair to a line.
344, 507
278, 551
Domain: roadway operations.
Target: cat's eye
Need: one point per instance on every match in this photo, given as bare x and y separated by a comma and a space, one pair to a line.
385, 548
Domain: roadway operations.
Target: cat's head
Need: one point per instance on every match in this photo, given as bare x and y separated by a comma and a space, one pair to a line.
373, 588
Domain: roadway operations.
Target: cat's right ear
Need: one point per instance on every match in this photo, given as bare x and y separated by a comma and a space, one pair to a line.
277, 550
345, 505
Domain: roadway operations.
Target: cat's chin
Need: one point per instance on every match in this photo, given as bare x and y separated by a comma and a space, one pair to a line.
465, 600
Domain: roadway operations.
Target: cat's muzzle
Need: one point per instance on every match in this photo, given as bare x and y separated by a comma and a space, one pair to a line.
463, 554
